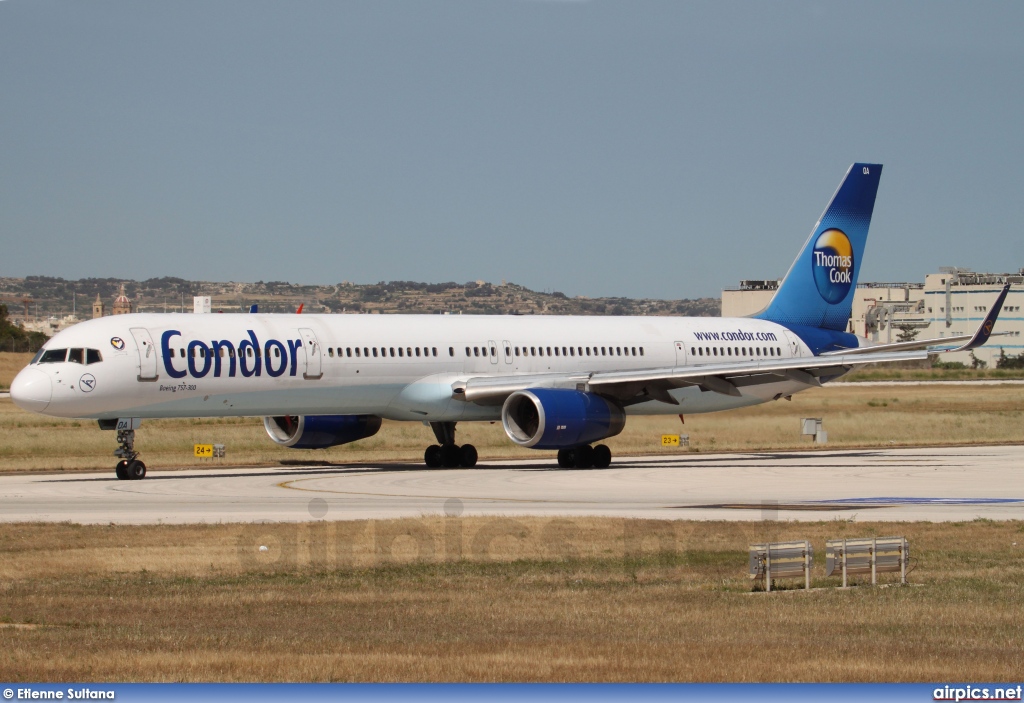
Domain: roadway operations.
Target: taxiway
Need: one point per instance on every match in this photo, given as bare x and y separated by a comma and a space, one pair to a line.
936, 484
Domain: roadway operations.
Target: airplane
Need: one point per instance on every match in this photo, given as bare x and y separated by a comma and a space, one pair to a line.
558, 383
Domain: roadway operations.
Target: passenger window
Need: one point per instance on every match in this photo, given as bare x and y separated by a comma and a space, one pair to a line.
348, 351
476, 351
76, 356
172, 352
399, 352
366, 351
92, 356
357, 352
375, 352
641, 351
330, 352
618, 351
494, 351
633, 349
556, 351
563, 351
182, 350
392, 351
549, 351
277, 352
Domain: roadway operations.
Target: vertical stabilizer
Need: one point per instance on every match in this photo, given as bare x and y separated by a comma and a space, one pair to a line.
819, 288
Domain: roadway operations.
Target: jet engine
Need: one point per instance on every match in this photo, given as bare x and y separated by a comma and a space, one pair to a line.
557, 418
320, 431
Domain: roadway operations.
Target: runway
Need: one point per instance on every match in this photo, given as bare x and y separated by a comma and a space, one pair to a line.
934, 484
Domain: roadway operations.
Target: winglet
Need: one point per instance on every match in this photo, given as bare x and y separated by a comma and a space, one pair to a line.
299, 311
254, 308
985, 330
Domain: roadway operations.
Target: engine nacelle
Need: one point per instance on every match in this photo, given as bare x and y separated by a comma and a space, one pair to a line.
320, 431
557, 418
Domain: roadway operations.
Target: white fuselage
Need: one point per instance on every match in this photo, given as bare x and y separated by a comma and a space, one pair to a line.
400, 367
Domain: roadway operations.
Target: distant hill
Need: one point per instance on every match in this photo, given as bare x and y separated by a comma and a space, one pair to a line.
55, 296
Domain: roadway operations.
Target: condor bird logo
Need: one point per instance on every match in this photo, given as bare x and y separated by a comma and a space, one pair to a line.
87, 382
832, 264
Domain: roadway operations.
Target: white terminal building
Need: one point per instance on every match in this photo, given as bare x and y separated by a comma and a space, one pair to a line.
951, 302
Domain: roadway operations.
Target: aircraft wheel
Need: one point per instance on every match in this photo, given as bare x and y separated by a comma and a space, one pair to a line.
467, 456
583, 456
432, 457
602, 456
122, 470
136, 470
565, 458
450, 456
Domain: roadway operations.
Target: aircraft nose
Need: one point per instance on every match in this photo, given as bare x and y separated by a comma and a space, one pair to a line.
31, 390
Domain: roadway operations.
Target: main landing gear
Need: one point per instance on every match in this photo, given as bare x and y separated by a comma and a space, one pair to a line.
129, 468
446, 452
585, 457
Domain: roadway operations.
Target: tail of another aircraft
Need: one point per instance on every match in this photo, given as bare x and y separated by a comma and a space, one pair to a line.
818, 289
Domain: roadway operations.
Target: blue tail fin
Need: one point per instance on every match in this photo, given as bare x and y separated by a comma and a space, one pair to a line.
819, 288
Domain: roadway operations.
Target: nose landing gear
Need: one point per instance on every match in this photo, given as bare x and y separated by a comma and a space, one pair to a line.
129, 468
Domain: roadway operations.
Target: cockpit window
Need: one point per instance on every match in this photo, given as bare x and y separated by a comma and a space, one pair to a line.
53, 356
76, 355
92, 356
35, 358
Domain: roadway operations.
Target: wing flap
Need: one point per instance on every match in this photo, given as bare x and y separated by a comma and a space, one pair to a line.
655, 384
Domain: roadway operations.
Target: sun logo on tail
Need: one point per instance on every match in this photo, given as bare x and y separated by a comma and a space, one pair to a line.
832, 264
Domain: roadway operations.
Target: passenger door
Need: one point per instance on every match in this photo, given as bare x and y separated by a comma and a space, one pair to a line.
680, 353
147, 353
314, 360
508, 350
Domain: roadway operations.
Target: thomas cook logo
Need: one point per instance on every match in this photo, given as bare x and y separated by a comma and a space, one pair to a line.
832, 263
117, 343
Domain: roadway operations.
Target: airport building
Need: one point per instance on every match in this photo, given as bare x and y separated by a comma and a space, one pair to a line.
951, 302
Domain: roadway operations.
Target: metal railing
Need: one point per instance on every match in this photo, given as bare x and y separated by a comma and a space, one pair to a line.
874, 555
781, 560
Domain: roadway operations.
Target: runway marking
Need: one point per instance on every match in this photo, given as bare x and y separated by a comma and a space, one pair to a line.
287, 485
923, 501
810, 506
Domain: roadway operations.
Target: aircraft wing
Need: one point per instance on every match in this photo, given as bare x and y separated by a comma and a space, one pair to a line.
980, 336
638, 386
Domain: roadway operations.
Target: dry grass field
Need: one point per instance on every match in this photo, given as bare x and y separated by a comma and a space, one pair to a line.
529, 599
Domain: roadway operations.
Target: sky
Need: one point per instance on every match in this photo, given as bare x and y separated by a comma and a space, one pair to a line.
640, 149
